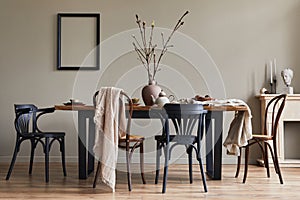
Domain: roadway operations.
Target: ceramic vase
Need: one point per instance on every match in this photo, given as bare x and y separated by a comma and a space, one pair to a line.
149, 91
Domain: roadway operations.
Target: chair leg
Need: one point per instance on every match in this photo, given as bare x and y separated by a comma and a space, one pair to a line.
190, 155
63, 156
167, 153
279, 172
202, 174
276, 163
246, 164
266, 159
97, 174
46, 159
238, 166
13, 160
142, 162
32, 141
128, 161
158, 155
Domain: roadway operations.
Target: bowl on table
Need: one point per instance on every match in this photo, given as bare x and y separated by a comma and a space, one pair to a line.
135, 101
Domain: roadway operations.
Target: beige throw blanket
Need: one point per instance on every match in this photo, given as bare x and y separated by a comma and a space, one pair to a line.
109, 123
240, 130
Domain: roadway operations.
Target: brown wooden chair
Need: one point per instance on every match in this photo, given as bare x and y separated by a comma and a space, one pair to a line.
128, 143
273, 112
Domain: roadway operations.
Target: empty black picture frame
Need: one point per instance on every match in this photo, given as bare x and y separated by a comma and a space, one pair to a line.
93, 42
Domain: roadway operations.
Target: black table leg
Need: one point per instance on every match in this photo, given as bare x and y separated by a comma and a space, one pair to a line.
214, 144
208, 145
218, 145
85, 143
91, 158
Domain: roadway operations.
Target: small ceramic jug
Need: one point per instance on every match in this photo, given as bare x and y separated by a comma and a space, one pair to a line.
162, 99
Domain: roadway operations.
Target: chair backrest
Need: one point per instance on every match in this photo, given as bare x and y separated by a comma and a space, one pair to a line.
25, 121
129, 109
185, 117
273, 113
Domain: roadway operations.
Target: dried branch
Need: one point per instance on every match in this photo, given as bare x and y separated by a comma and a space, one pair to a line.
147, 54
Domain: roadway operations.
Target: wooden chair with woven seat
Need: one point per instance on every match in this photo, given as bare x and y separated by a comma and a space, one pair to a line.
273, 112
129, 143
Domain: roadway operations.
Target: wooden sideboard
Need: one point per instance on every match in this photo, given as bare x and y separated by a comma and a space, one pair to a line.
291, 113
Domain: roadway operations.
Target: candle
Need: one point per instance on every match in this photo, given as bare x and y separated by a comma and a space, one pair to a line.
271, 73
274, 62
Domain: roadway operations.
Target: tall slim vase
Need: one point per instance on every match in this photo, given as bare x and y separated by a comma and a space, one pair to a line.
149, 91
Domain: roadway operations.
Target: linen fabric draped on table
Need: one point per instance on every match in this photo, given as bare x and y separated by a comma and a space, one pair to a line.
240, 130
110, 125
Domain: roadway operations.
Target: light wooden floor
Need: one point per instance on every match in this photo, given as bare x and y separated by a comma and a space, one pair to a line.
23, 186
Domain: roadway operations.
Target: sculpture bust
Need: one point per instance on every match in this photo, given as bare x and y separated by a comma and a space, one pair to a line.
287, 76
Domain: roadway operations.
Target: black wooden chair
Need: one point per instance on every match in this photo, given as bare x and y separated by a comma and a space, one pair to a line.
26, 125
129, 143
273, 112
188, 123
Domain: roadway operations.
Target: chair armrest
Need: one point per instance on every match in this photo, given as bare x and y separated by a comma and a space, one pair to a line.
45, 110
41, 112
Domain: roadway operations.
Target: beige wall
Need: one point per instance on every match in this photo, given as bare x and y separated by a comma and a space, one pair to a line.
239, 35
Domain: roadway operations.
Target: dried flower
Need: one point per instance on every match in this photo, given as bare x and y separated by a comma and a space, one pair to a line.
147, 51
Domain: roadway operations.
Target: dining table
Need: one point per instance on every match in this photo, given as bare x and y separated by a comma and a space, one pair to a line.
213, 134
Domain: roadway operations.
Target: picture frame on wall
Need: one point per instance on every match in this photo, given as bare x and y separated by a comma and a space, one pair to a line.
78, 41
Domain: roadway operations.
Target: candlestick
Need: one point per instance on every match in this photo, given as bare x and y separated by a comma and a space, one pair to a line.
274, 63
271, 88
271, 73
275, 81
